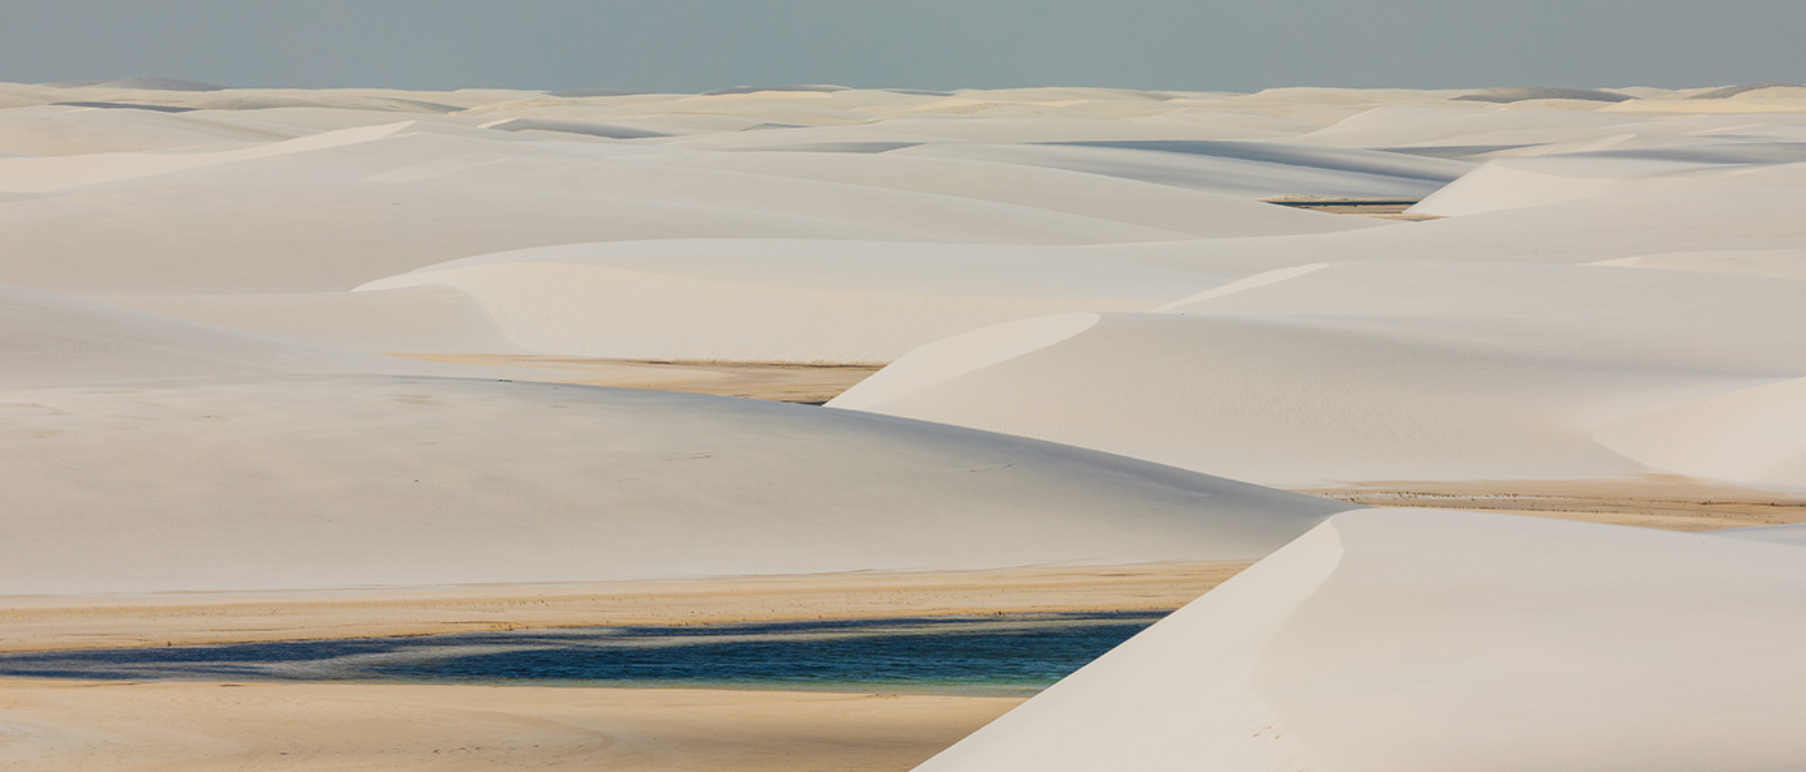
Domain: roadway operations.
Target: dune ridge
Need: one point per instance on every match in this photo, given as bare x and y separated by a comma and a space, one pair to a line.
1335, 654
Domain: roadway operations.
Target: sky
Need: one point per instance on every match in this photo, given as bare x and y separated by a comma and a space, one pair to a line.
696, 45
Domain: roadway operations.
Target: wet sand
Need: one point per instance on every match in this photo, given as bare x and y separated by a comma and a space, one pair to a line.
775, 381
128, 621
1381, 210
51, 726
1668, 502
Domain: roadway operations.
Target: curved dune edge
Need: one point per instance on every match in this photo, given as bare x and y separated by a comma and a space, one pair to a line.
1425, 642
1191, 670
1256, 281
781, 300
1754, 436
55, 341
607, 312
1515, 183
950, 358
1771, 263
147, 454
1351, 373
333, 481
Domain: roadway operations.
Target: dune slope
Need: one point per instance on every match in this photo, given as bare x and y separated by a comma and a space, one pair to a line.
171, 456
1421, 640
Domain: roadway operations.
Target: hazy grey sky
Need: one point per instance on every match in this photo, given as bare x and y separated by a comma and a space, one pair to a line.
690, 45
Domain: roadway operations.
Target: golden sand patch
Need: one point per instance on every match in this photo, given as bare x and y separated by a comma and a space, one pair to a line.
41, 623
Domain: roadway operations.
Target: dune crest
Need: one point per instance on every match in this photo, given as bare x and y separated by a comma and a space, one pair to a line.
1419, 640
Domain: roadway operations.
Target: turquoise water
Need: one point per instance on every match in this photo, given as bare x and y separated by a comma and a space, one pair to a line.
1002, 654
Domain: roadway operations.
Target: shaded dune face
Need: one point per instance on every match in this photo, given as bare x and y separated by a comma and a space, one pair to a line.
151, 454
333, 481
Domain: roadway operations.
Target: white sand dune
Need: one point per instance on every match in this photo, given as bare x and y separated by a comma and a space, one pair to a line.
1253, 170
1573, 232
145, 455
1725, 92
411, 196
303, 483
1084, 193
1754, 436
404, 196
1792, 533
1772, 263
1349, 372
420, 320
59, 130
1425, 640
55, 341
1383, 127
65, 172
1524, 182
1773, 99
774, 300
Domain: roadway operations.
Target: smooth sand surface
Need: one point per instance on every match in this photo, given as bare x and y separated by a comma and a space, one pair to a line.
323, 482
781, 300
1791, 533
146, 454
35, 623
1418, 640
205, 727
1340, 374
320, 482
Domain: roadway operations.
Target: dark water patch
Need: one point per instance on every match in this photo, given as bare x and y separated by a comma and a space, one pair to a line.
1001, 654
126, 106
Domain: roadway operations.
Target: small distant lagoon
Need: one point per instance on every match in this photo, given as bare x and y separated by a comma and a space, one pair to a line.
1003, 654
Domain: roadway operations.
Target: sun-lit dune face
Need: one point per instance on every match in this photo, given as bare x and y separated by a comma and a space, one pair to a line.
1510, 183
779, 300
1351, 372
1750, 436
1424, 640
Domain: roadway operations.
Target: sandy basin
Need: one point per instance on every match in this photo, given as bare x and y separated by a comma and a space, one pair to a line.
48, 725
83, 725
68, 622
